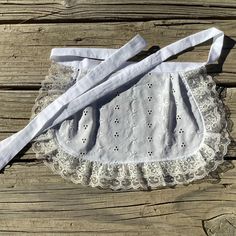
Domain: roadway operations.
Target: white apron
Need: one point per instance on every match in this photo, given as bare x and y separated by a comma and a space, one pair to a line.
103, 121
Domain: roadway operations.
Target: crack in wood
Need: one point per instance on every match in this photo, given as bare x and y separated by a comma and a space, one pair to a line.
220, 225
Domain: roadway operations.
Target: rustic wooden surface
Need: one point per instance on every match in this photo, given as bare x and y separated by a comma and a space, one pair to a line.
34, 201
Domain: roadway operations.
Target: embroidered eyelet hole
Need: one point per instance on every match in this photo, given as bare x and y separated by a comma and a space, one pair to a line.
149, 153
183, 145
117, 94
85, 126
149, 112
117, 107
149, 99
85, 112
149, 139
149, 85
116, 148
171, 77
173, 90
84, 140
117, 121
116, 134
178, 117
181, 131
149, 125
82, 153
150, 73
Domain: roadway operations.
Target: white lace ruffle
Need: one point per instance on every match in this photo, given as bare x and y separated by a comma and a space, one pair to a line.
150, 175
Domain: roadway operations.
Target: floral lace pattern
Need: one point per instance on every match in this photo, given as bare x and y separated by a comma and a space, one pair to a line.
149, 175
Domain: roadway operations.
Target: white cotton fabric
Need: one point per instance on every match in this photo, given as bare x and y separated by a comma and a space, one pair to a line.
155, 118
105, 122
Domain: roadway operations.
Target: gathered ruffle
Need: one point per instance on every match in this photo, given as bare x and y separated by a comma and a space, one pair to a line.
144, 175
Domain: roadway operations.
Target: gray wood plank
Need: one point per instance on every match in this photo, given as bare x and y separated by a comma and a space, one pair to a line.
21, 11
36, 201
25, 49
33, 200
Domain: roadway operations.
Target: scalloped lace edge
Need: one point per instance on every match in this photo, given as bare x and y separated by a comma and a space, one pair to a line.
138, 176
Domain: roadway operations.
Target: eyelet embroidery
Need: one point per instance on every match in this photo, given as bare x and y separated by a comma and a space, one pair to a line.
150, 153
181, 131
116, 134
149, 99
149, 139
178, 117
149, 85
149, 112
84, 140
149, 125
85, 112
116, 148
117, 121
85, 126
183, 144
117, 107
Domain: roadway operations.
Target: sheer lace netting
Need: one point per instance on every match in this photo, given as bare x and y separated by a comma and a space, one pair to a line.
132, 175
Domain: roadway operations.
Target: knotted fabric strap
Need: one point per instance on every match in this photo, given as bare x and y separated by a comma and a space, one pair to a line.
92, 87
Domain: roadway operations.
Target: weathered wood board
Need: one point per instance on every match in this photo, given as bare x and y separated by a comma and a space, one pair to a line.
35, 201
25, 49
27, 11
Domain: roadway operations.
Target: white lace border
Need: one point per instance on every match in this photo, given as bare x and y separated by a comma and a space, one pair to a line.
150, 175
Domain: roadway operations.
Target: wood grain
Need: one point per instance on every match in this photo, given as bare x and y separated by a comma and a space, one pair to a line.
25, 49
34, 201
31, 11
37, 201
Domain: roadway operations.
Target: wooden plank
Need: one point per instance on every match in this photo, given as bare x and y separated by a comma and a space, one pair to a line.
33, 200
112, 10
25, 49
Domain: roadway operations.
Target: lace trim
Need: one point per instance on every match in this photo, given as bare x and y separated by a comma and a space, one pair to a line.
150, 175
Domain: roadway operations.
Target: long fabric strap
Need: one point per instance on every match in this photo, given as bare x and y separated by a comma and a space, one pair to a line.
84, 91
70, 54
